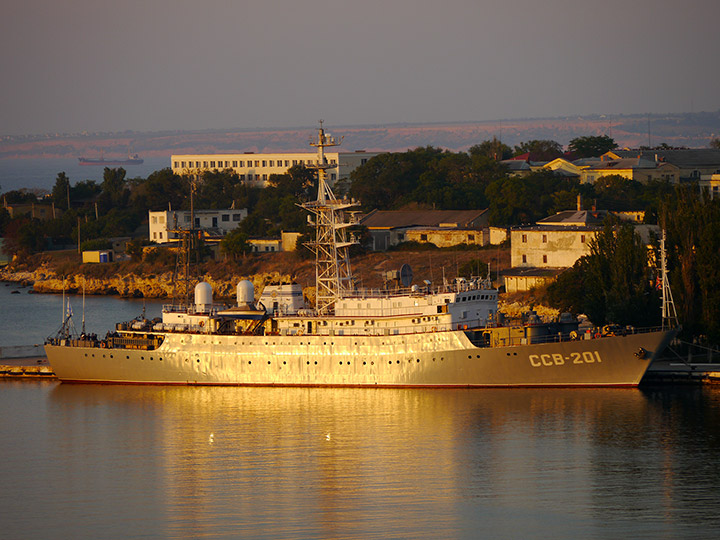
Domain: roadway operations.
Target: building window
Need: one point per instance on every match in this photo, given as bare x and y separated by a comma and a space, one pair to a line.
212, 164
154, 219
237, 217
205, 164
287, 162
333, 162
234, 163
295, 162
226, 217
242, 177
187, 218
471, 237
271, 163
264, 177
160, 235
241, 163
544, 238
154, 236
524, 259
332, 176
363, 161
401, 237
161, 219
264, 163
423, 237
257, 163
177, 165
545, 259
182, 164
582, 238
524, 238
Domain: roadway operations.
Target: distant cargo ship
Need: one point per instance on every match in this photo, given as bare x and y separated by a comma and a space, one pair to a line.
131, 160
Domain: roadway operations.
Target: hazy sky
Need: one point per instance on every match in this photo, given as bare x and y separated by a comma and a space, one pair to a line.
95, 65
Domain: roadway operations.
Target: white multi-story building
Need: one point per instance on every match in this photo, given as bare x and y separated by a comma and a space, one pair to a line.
257, 168
214, 222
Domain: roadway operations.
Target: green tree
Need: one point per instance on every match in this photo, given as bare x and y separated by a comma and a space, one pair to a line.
493, 149
114, 187
235, 244
715, 143
592, 145
61, 191
540, 150
693, 236
613, 284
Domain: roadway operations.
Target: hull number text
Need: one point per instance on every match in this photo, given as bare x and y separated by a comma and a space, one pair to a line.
557, 359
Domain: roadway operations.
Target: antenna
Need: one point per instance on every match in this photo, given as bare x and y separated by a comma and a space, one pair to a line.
669, 315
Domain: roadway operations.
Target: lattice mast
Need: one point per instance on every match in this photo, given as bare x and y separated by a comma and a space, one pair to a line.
182, 277
333, 275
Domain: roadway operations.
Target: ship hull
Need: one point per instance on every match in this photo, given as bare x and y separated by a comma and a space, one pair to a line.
443, 359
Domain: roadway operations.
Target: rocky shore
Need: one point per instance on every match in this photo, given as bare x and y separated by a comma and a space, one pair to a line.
46, 280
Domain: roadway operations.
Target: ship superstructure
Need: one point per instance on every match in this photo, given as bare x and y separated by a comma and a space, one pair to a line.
402, 334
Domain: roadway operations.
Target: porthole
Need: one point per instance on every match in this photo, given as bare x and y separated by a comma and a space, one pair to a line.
268, 362
348, 363
198, 360
390, 362
397, 361
284, 362
249, 362
418, 360
364, 363
316, 362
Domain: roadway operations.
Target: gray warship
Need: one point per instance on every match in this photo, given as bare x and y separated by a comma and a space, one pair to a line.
404, 335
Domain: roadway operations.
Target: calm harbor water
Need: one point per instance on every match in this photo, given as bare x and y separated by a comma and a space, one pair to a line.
41, 173
114, 461
94, 461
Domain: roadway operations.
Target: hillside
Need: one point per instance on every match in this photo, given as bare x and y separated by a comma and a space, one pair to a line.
687, 129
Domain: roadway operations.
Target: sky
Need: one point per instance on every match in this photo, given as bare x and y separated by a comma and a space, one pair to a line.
152, 65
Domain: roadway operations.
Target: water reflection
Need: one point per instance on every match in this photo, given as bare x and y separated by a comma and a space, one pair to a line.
359, 463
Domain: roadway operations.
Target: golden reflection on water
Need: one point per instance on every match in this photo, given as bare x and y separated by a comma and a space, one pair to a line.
358, 463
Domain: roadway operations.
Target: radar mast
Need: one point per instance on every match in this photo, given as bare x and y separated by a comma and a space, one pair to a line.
333, 275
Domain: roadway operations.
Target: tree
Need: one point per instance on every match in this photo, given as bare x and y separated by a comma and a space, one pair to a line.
540, 150
613, 284
494, 149
693, 236
592, 146
113, 186
61, 191
715, 143
235, 243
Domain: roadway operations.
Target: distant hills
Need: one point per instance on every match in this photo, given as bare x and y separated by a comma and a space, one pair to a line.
694, 130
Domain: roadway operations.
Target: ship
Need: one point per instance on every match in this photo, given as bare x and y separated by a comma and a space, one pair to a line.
403, 334
134, 159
